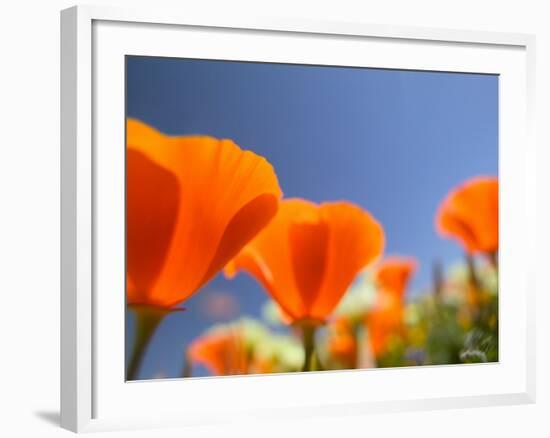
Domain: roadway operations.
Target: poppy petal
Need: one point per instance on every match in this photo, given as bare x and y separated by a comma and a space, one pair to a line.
308, 255
470, 215
393, 274
308, 251
450, 224
223, 352
243, 227
269, 258
356, 239
220, 188
152, 204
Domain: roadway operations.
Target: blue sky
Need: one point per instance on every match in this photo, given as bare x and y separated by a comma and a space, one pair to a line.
392, 141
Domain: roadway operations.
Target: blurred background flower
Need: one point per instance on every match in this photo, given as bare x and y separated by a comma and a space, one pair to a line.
218, 305
469, 214
385, 319
245, 346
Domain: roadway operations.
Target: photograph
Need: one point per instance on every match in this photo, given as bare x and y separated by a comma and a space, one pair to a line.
289, 218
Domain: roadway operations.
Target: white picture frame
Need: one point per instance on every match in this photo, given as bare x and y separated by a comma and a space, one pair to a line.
94, 396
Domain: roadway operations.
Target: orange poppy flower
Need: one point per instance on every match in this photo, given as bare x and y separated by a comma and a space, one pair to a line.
261, 365
469, 214
342, 344
222, 351
393, 275
309, 254
192, 204
379, 333
385, 320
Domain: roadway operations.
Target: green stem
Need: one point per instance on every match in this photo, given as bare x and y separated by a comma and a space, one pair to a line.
493, 259
187, 367
147, 320
308, 339
472, 271
356, 329
437, 275
475, 284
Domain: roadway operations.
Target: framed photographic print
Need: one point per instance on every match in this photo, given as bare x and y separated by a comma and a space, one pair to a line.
252, 208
